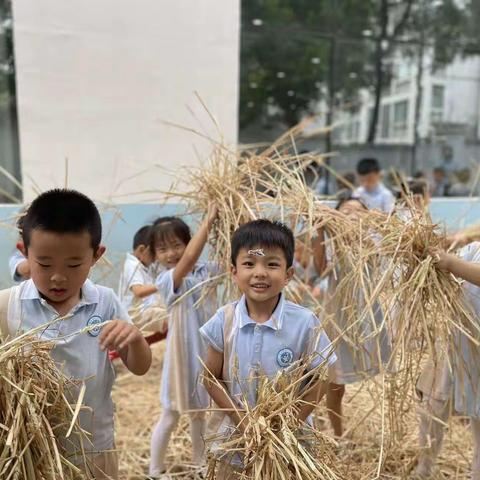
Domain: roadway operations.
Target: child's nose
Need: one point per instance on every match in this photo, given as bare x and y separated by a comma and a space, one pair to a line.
57, 277
259, 271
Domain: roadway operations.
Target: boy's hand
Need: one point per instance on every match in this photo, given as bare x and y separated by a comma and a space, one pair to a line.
118, 334
442, 259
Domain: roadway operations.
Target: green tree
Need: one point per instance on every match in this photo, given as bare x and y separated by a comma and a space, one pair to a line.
286, 61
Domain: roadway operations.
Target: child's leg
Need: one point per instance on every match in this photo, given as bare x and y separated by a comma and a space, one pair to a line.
197, 432
160, 438
335, 394
475, 423
431, 434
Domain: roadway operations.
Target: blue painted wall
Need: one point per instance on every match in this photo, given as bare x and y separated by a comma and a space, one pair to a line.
120, 223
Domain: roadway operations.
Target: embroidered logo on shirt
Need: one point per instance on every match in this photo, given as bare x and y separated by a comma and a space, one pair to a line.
95, 320
285, 357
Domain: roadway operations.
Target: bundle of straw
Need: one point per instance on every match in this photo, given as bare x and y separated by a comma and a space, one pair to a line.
34, 413
274, 443
243, 186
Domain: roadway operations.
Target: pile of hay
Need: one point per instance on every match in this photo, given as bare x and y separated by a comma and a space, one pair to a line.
272, 441
34, 412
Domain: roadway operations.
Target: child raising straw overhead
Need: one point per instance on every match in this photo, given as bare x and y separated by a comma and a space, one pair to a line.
180, 285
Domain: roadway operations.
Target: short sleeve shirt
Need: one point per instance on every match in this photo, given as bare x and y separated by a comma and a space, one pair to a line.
291, 333
134, 273
78, 354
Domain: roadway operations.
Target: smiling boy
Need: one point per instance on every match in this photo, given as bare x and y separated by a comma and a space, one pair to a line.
61, 240
262, 333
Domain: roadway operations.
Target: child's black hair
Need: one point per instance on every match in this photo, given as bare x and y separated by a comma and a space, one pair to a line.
62, 211
164, 228
368, 165
263, 233
414, 187
143, 237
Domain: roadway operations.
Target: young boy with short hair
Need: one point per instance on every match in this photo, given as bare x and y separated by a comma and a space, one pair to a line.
372, 191
61, 240
137, 290
261, 333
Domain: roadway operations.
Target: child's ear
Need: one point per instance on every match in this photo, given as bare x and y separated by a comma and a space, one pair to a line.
290, 274
100, 251
21, 247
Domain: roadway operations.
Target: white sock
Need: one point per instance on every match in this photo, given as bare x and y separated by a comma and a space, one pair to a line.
160, 438
475, 426
197, 431
431, 434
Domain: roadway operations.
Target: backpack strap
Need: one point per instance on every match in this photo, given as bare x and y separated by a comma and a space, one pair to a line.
228, 324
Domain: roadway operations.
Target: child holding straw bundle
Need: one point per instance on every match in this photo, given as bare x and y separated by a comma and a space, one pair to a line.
361, 344
137, 289
61, 240
180, 287
453, 383
261, 334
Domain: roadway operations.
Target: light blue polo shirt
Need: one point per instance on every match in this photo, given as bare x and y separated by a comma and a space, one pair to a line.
189, 307
263, 349
78, 355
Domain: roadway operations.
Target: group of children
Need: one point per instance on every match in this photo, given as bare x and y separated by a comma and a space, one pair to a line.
259, 334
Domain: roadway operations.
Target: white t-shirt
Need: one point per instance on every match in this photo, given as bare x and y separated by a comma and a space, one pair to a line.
380, 198
134, 273
15, 259
78, 355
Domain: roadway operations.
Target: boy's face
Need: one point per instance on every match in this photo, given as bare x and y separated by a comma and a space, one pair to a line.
352, 208
60, 263
261, 278
369, 181
169, 252
144, 254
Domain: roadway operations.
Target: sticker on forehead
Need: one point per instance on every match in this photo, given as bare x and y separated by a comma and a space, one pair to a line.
285, 357
94, 322
257, 252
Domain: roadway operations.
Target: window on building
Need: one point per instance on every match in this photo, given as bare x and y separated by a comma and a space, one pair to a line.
438, 102
385, 118
400, 118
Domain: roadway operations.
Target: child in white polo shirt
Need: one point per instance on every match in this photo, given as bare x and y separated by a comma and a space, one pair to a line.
137, 289
61, 240
262, 333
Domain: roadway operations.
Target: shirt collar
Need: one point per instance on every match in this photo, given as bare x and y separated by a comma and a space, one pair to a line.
90, 295
275, 322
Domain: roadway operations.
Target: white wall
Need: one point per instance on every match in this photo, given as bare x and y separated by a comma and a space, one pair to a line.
95, 77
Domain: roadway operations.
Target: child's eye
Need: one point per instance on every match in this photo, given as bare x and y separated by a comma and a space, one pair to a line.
43, 265
75, 266
273, 264
247, 264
